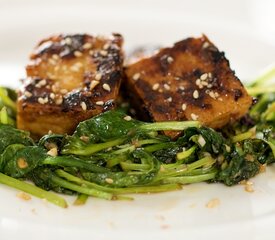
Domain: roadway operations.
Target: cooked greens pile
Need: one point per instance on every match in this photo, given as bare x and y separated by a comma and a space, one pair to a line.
112, 155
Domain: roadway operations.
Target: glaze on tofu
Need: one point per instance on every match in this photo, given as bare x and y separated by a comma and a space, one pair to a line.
192, 80
70, 78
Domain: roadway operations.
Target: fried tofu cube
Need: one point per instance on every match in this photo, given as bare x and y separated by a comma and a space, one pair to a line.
70, 78
191, 80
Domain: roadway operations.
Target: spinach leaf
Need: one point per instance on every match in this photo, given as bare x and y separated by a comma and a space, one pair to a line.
10, 135
18, 160
237, 170
126, 179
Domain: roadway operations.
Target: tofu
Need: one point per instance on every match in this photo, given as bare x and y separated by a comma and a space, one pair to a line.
191, 80
70, 78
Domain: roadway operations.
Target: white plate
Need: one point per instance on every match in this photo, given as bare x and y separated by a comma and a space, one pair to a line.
242, 29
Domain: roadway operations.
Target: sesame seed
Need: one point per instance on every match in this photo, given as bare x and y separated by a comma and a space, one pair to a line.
217, 94
77, 54
91, 52
27, 94
249, 188
182, 88
212, 94
55, 88
84, 138
204, 83
49, 75
201, 141
55, 57
40, 100
59, 101
41, 83
75, 68
196, 94
52, 61
109, 180
22, 163
52, 95
166, 86
46, 99
127, 118
68, 41
209, 85
169, 99
106, 87
205, 45
100, 103
106, 46
64, 68
103, 53
227, 148
136, 76
183, 106
98, 76
93, 84
194, 116
63, 91
52, 152
24, 196
83, 106
204, 76
200, 86
215, 202
210, 75
198, 82
177, 78
155, 86
170, 59
87, 45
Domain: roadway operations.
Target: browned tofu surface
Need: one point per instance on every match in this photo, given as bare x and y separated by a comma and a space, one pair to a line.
190, 81
70, 78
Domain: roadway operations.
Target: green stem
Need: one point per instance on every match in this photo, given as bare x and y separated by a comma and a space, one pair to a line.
147, 141
190, 179
33, 190
93, 148
123, 150
81, 199
138, 189
185, 154
184, 168
159, 146
4, 118
6, 100
115, 160
242, 136
268, 74
134, 166
81, 189
131, 148
65, 161
172, 125
260, 90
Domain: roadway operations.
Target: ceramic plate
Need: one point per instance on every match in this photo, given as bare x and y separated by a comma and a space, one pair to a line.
242, 29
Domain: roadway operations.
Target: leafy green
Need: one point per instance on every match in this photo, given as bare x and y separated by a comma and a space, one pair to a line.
112, 154
9, 135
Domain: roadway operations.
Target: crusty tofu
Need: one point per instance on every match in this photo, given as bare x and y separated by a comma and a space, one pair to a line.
192, 80
70, 78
